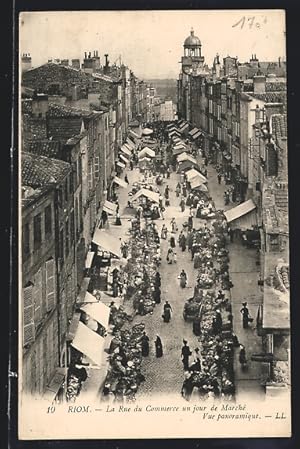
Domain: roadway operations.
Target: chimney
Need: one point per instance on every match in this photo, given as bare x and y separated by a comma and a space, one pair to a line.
279, 61
40, 105
94, 54
85, 55
89, 54
259, 84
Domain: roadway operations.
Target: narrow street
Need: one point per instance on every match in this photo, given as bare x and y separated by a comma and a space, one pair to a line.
165, 375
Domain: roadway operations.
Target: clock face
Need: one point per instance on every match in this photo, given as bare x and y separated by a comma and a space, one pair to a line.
187, 70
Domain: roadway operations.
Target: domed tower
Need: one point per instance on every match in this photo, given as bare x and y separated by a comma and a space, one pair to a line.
192, 60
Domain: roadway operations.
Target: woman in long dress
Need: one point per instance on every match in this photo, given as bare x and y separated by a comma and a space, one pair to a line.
183, 279
167, 312
172, 242
158, 347
182, 205
170, 256
173, 226
164, 232
145, 345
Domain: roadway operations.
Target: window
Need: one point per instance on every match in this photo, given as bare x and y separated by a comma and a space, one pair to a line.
210, 106
26, 239
96, 167
48, 220
67, 241
28, 316
72, 227
219, 134
61, 246
37, 231
219, 112
66, 190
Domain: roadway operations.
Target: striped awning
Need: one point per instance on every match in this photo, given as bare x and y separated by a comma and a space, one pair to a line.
125, 150
193, 131
120, 182
110, 208
196, 135
124, 159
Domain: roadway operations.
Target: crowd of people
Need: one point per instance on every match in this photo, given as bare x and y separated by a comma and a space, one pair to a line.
207, 368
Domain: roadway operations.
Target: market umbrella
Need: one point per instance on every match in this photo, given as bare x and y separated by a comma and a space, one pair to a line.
147, 131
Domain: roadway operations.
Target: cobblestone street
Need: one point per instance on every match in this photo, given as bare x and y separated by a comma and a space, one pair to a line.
165, 375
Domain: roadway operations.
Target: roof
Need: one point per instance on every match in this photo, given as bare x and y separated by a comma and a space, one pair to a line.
239, 211
49, 148
62, 129
270, 97
38, 171
279, 126
30, 195
276, 304
195, 174
153, 196
275, 209
192, 40
58, 110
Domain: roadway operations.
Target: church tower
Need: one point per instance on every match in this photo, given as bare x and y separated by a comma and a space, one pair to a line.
192, 61
192, 64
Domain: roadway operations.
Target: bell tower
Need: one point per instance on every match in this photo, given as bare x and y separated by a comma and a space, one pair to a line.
192, 60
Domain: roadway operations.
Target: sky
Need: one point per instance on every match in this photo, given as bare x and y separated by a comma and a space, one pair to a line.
151, 42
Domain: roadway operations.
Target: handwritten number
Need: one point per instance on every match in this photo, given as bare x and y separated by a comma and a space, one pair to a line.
242, 20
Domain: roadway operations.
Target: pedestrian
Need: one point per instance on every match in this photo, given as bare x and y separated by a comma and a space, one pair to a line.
168, 172
190, 222
183, 279
164, 232
231, 234
157, 281
245, 315
131, 165
158, 346
205, 161
190, 238
242, 357
145, 345
184, 190
197, 327
156, 295
185, 353
126, 179
219, 178
118, 220
219, 321
178, 189
167, 312
182, 204
183, 243
174, 227
172, 242
196, 365
170, 256
167, 192
187, 386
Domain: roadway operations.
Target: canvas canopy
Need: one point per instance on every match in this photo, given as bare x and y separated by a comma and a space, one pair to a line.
186, 157
239, 211
120, 182
174, 132
107, 242
125, 150
193, 131
153, 196
179, 145
89, 298
183, 127
146, 152
110, 208
186, 165
124, 159
89, 343
98, 311
196, 135
145, 159
120, 164
134, 134
194, 173
198, 183
130, 143
147, 131
89, 259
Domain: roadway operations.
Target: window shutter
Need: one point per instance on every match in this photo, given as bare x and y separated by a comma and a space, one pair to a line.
37, 297
50, 285
28, 316
97, 167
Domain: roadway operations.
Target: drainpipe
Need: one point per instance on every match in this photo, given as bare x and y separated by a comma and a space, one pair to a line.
57, 233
